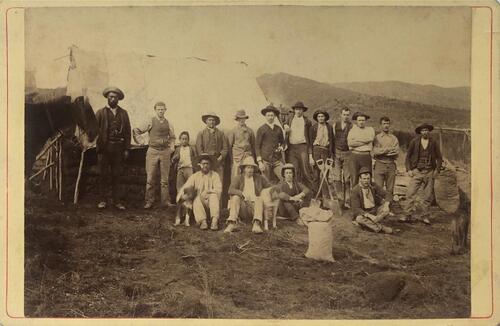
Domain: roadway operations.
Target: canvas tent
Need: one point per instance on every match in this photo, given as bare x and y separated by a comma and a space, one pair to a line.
189, 87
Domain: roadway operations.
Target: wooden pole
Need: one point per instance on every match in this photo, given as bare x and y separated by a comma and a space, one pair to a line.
75, 197
48, 146
46, 164
56, 166
42, 170
60, 169
51, 177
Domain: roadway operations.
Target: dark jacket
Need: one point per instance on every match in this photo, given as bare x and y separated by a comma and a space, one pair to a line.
436, 159
102, 123
357, 202
222, 144
307, 126
177, 156
267, 141
313, 132
285, 192
238, 182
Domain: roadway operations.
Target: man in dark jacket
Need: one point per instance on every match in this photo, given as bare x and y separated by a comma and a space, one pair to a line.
297, 136
368, 203
322, 145
112, 146
247, 198
269, 145
213, 141
423, 163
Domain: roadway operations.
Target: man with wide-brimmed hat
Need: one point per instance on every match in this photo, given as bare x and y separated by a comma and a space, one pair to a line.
341, 168
247, 196
161, 146
292, 194
368, 203
360, 141
213, 142
322, 145
297, 130
241, 141
269, 145
385, 152
113, 143
208, 187
423, 163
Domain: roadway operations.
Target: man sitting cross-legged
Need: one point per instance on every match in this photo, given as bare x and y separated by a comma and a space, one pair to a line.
248, 193
208, 187
368, 203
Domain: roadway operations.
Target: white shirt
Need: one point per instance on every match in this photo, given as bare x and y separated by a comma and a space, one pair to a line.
368, 200
297, 131
249, 189
271, 125
185, 157
424, 142
361, 139
113, 110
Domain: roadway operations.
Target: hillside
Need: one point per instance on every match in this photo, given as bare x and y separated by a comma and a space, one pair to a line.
282, 88
455, 97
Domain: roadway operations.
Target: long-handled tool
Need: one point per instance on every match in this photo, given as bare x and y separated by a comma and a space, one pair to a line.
333, 202
321, 166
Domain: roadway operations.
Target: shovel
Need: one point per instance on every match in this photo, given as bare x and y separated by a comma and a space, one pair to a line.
321, 166
332, 203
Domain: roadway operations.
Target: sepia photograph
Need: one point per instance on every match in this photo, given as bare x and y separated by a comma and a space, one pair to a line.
247, 162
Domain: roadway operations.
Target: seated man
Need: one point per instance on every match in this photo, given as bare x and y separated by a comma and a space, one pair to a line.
247, 196
292, 194
208, 187
368, 203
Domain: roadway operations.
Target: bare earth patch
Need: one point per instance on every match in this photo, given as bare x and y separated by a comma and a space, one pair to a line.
82, 262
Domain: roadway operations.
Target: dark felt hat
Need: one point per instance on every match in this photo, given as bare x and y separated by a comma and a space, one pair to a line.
270, 108
300, 105
360, 114
315, 115
113, 89
204, 156
364, 170
424, 126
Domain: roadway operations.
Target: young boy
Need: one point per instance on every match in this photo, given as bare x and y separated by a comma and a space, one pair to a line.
183, 157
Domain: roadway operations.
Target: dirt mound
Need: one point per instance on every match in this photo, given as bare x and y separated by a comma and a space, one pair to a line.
391, 286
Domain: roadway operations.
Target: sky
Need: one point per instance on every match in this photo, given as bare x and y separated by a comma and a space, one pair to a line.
329, 44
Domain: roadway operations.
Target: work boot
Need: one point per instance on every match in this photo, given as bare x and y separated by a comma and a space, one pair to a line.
214, 226
120, 207
230, 227
386, 229
405, 219
256, 227
425, 219
203, 225
101, 205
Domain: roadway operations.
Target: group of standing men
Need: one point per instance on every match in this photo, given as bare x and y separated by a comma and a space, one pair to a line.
288, 149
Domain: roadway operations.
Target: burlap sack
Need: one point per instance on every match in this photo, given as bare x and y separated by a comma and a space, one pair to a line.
320, 241
314, 213
446, 191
